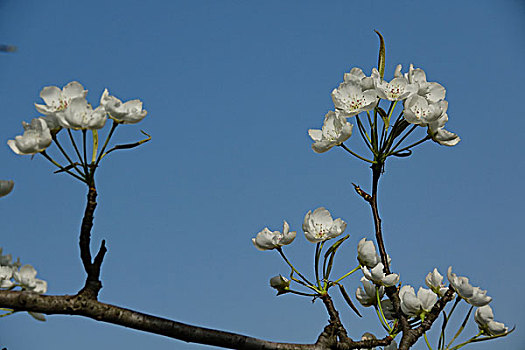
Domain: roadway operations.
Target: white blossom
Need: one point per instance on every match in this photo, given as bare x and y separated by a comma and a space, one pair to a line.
6, 186
267, 240
434, 281
350, 99
431, 91
58, 100
366, 295
319, 226
335, 131
397, 89
130, 112
377, 275
472, 295
484, 317
26, 278
35, 139
280, 283
356, 76
410, 304
419, 111
6, 273
80, 115
367, 254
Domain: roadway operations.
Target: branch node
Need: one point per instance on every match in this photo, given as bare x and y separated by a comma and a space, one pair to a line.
362, 193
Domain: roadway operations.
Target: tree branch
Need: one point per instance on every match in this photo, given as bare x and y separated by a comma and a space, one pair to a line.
93, 283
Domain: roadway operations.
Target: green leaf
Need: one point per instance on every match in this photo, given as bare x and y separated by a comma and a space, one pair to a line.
381, 59
129, 145
331, 253
346, 297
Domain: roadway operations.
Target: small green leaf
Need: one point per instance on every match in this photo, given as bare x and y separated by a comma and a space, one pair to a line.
381, 59
129, 145
348, 300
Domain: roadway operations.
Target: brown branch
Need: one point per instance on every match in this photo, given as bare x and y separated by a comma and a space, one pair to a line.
92, 268
88, 307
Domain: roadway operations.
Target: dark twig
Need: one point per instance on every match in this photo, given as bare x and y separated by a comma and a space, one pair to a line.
92, 268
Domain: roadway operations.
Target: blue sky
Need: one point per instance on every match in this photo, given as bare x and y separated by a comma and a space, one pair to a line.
231, 88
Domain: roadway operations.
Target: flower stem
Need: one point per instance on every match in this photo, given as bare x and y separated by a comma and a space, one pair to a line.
66, 155
462, 327
61, 167
355, 154
101, 154
383, 318
441, 343
410, 146
292, 267
467, 342
346, 275
402, 139
426, 341
77, 151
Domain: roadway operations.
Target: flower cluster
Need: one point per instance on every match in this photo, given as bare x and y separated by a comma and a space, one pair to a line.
372, 266
427, 107
13, 274
68, 108
423, 104
318, 226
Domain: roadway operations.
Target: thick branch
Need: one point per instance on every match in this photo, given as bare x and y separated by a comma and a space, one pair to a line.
88, 307
92, 268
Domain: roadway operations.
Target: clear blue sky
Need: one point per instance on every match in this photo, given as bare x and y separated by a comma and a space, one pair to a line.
231, 88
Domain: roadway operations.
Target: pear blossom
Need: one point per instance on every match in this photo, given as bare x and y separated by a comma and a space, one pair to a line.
335, 131
434, 281
431, 91
280, 283
377, 275
267, 240
443, 137
427, 298
25, 276
410, 304
421, 112
484, 317
479, 298
367, 254
6, 186
35, 139
6, 273
350, 98
356, 76
130, 112
319, 226
57, 100
52, 123
367, 294
80, 115
472, 295
413, 305
397, 89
